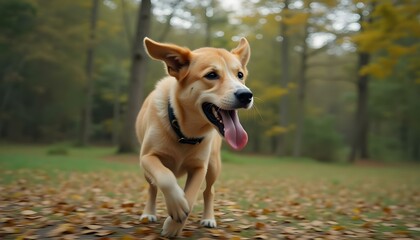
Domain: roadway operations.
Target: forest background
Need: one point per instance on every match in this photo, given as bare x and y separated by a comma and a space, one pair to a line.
332, 80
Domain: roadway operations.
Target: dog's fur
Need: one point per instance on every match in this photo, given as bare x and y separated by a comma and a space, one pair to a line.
187, 89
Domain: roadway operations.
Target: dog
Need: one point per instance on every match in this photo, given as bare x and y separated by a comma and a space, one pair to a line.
182, 123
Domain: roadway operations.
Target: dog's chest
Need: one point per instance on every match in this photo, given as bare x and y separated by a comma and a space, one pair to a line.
184, 160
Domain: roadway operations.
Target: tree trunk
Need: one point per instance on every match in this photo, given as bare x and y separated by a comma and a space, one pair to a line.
138, 74
415, 154
116, 113
359, 146
300, 114
284, 80
90, 88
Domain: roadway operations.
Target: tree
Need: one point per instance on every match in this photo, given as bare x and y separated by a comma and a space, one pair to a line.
16, 22
284, 80
43, 69
90, 88
308, 19
382, 41
300, 108
387, 37
138, 74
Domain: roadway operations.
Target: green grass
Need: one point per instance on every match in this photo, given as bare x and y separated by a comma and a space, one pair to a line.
14, 157
39, 158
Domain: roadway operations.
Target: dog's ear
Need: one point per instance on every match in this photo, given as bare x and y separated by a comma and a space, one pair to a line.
243, 51
176, 58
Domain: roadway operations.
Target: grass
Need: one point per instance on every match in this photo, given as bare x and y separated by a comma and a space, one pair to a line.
14, 157
267, 193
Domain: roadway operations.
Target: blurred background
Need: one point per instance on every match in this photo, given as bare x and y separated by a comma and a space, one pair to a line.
333, 80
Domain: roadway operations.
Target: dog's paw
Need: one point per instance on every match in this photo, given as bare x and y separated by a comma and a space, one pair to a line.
149, 217
171, 228
177, 205
210, 223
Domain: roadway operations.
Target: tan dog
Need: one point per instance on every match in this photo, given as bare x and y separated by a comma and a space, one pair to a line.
181, 123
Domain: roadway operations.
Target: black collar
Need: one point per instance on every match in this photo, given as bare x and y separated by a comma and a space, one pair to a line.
175, 126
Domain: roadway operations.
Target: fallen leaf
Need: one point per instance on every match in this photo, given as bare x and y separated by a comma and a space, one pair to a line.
128, 237
266, 211
187, 233
89, 231
387, 210
28, 212
10, 230
317, 223
125, 226
143, 230
226, 220
338, 228
259, 225
261, 236
253, 213
127, 204
102, 233
144, 220
65, 228
245, 227
93, 227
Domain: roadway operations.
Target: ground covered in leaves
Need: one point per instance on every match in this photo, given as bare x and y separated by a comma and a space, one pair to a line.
85, 195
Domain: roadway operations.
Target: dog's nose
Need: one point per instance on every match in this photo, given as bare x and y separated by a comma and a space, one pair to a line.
244, 96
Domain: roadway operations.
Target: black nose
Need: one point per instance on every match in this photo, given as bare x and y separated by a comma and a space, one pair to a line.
244, 96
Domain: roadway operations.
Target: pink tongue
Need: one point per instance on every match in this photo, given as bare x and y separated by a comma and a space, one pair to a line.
235, 134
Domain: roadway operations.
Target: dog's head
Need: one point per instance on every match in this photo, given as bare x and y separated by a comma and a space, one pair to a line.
213, 80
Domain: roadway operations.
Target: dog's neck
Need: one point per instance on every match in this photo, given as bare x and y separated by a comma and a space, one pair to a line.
177, 129
190, 121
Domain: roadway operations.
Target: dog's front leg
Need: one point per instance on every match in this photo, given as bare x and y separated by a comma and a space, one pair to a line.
192, 186
163, 178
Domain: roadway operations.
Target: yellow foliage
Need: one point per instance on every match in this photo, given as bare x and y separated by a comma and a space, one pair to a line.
390, 24
314, 111
381, 68
276, 130
388, 15
369, 41
296, 19
396, 51
273, 93
291, 85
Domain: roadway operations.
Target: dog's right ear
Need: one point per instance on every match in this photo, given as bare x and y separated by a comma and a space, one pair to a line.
176, 58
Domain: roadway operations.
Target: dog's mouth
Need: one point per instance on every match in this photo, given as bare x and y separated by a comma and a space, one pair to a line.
228, 125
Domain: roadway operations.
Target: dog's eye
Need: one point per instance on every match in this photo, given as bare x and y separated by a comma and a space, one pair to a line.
212, 76
240, 75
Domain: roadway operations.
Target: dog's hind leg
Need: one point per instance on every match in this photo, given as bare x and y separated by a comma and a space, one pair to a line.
149, 211
213, 172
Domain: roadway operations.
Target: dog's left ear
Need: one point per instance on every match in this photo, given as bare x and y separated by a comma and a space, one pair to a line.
243, 51
175, 57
